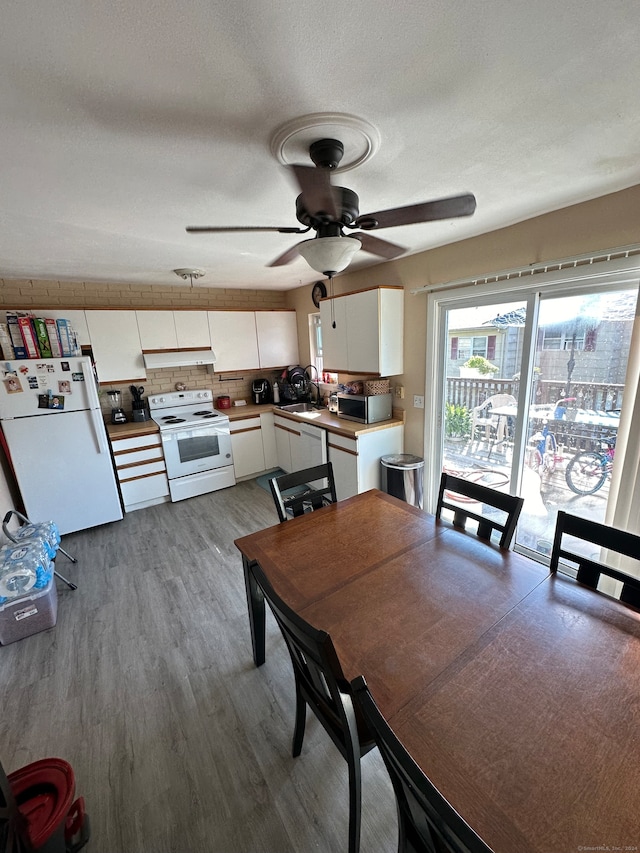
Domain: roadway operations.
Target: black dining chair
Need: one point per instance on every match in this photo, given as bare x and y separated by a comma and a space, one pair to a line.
321, 685
306, 490
427, 823
511, 505
590, 571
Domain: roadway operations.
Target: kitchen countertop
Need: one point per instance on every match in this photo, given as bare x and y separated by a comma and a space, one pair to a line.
132, 429
326, 419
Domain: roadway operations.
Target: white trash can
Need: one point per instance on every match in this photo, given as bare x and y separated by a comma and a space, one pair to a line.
402, 476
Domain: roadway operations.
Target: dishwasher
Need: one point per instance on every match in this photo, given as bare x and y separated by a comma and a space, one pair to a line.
313, 445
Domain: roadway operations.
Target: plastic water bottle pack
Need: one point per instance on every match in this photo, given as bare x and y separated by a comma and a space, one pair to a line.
25, 566
47, 531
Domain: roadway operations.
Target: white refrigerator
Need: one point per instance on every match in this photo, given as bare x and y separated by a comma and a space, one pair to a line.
57, 443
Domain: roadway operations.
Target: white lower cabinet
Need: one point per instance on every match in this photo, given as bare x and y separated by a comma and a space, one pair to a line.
356, 461
269, 441
141, 470
285, 430
312, 447
248, 451
299, 445
254, 445
343, 455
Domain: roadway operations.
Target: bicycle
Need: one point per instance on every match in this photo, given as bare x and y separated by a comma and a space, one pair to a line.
542, 454
588, 470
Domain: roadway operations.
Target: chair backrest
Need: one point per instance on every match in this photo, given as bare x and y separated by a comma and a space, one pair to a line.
427, 823
318, 674
590, 571
302, 500
509, 504
496, 401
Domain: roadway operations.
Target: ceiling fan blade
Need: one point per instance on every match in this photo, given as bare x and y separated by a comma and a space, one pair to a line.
428, 211
212, 229
376, 246
317, 192
286, 258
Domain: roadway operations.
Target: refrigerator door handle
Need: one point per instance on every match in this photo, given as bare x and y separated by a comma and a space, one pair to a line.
99, 430
91, 385
94, 407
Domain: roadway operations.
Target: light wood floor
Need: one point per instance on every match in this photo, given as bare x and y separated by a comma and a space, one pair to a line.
148, 688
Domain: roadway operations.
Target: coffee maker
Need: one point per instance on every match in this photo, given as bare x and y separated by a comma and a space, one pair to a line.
261, 391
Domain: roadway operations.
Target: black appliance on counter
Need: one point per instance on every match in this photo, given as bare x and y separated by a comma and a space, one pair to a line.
139, 412
261, 391
293, 385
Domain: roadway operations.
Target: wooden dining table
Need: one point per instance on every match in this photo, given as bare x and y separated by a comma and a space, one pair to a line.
517, 692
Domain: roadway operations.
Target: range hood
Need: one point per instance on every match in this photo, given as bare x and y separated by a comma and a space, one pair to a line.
179, 358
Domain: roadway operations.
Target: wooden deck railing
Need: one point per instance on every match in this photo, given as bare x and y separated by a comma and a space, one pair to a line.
473, 392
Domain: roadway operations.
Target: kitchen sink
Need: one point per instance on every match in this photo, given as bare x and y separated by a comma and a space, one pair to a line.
298, 408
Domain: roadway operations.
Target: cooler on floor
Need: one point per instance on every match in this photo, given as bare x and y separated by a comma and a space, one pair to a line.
21, 617
28, 596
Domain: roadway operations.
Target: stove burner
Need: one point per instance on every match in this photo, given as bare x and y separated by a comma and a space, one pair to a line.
203, 412
209, 415
173, 420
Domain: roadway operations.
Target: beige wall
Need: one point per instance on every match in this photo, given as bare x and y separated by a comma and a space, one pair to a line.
603, 223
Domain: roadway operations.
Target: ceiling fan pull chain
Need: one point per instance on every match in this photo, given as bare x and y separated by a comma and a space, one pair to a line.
333, 310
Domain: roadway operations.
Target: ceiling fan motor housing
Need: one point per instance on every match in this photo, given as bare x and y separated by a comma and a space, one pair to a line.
326, 153
348, 202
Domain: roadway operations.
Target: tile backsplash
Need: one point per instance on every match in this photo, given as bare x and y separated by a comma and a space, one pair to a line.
237, 385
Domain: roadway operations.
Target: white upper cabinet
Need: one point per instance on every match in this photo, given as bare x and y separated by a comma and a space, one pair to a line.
234, 341
334, 340
157, 329
174, 329
277, 338
192, 329
115, 341
368, 337
251, 340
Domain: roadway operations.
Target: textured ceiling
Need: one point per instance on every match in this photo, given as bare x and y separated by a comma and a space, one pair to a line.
123, 122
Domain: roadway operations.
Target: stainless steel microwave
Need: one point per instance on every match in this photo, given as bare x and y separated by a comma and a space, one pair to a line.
365, 410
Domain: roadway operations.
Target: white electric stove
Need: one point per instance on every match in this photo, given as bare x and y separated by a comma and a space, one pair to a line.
196, 441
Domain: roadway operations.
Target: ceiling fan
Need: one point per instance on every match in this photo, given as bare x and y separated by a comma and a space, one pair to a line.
328, 210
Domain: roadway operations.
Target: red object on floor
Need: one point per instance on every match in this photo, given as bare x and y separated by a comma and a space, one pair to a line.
47, 818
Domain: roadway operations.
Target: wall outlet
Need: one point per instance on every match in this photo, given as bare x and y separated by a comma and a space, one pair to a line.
418, 402
400, 391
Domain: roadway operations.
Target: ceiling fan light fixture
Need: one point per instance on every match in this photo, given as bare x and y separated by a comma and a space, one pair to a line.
188, 273
329, 255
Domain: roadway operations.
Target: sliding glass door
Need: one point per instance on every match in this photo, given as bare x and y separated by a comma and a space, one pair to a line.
532, 395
